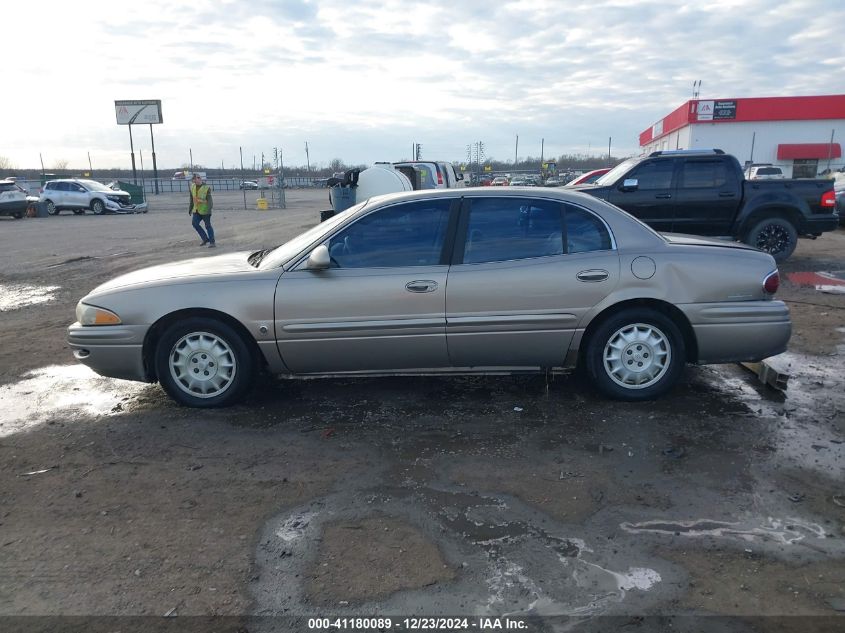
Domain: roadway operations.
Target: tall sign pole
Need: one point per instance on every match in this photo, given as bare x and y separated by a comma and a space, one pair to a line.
134, 112
132, 149
155, 167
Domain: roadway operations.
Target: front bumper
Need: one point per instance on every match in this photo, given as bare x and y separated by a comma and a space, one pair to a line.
739, 331
115, 351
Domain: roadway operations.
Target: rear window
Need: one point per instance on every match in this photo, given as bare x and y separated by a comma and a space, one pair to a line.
769, 171
7, 186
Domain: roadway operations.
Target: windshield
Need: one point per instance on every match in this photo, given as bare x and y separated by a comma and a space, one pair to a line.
281, 254
613, 175
93, 185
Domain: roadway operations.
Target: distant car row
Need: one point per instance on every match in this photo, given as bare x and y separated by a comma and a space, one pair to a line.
563, 180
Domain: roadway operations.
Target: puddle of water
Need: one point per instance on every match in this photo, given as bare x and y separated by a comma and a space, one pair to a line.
786, 532
44, 391
16, 296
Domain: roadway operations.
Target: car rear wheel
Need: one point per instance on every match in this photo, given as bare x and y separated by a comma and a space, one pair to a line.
637, 354
51, 208
203, 362
17, 215
776, 236
98, 206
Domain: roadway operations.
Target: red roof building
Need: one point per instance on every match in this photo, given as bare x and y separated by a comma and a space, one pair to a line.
803, 135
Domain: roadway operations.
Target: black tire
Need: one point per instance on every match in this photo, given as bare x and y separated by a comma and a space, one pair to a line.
17, 215
221, 363
637, 354
776, 236
51, 208
98, 206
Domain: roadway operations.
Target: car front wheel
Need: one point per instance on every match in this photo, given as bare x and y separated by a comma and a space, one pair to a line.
98, 206
203, 362
637, 354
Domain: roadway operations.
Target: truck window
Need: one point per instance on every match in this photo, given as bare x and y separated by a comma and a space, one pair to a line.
656, 174
703, 174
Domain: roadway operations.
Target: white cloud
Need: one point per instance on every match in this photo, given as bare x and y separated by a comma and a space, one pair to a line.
362, 81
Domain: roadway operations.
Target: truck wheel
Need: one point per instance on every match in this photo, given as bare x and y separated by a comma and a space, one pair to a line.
97, 206
776, 236
203, 362
637, 354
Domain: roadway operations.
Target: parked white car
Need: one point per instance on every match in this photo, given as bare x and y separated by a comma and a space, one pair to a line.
81, 195
764, 172
430, 174
12, 199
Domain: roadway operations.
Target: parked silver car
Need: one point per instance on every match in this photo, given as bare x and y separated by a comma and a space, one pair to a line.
79, 195
442, 282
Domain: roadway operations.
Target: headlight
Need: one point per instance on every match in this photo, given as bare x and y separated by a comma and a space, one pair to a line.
92, 315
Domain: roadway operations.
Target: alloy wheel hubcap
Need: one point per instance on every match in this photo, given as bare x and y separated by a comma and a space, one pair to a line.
773, 239
637, 356
202, 364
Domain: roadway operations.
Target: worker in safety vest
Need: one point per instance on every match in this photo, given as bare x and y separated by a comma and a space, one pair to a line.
200, 210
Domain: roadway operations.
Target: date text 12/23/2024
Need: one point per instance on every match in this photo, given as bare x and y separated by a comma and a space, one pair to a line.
418, 623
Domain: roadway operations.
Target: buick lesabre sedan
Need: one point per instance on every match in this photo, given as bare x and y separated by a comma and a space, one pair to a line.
442, 282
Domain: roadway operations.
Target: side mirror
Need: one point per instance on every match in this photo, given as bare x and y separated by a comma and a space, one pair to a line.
459, 176
630, 184
319, 259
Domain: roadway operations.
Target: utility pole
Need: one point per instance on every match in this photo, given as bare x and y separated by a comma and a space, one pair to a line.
90, 168
155, 165
609, 139
542, 152
190, 155
307, 158
241, 150
516, 152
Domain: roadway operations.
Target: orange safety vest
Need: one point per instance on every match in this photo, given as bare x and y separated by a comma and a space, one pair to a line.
200, 196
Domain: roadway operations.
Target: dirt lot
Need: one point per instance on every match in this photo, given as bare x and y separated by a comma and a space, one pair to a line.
427, 496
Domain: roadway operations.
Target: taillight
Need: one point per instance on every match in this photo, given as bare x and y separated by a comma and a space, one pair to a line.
829, 198
440, 177
772, 282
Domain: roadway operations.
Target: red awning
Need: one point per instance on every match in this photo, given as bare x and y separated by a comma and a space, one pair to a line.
809, 150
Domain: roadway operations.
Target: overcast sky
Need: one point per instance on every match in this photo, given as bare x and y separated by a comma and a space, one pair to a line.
362, 81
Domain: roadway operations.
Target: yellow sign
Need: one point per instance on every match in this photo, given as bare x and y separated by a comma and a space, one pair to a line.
266, 170
488, 167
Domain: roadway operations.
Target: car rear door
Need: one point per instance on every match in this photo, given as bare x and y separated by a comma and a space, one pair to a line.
525, 271
652, 199
381, 305
707, 197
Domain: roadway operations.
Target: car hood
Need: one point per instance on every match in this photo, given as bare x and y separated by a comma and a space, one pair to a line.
197, 269
697, 240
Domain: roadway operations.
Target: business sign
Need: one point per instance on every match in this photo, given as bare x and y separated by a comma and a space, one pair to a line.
715, 110
724, 110
138, 112
704, 111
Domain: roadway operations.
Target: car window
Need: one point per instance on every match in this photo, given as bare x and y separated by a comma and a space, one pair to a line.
63, 186
410, 234
585, 232
6, 186
76, 187
703, 173
655, 174
502, 229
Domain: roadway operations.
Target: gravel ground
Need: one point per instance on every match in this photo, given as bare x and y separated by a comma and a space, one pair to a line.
404, 496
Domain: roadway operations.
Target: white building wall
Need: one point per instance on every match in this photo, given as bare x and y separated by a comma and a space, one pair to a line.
736, 139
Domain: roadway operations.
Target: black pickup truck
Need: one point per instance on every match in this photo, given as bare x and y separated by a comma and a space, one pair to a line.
703, 192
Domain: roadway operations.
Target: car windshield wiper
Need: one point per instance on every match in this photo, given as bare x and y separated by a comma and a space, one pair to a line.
257, 256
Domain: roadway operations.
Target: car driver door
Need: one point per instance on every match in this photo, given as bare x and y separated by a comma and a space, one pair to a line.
380, 306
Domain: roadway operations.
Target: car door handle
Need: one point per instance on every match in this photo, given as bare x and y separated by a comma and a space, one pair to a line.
592, 275
663, 196
727, 194
421, 285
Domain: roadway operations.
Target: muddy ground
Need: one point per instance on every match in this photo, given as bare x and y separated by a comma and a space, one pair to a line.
428, 496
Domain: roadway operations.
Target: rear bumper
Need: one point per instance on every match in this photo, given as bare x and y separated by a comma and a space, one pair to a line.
740, 331
113, 351
819, 223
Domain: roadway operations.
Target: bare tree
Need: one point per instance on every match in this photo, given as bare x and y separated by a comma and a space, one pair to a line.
60, 165
337, 165
6, 164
